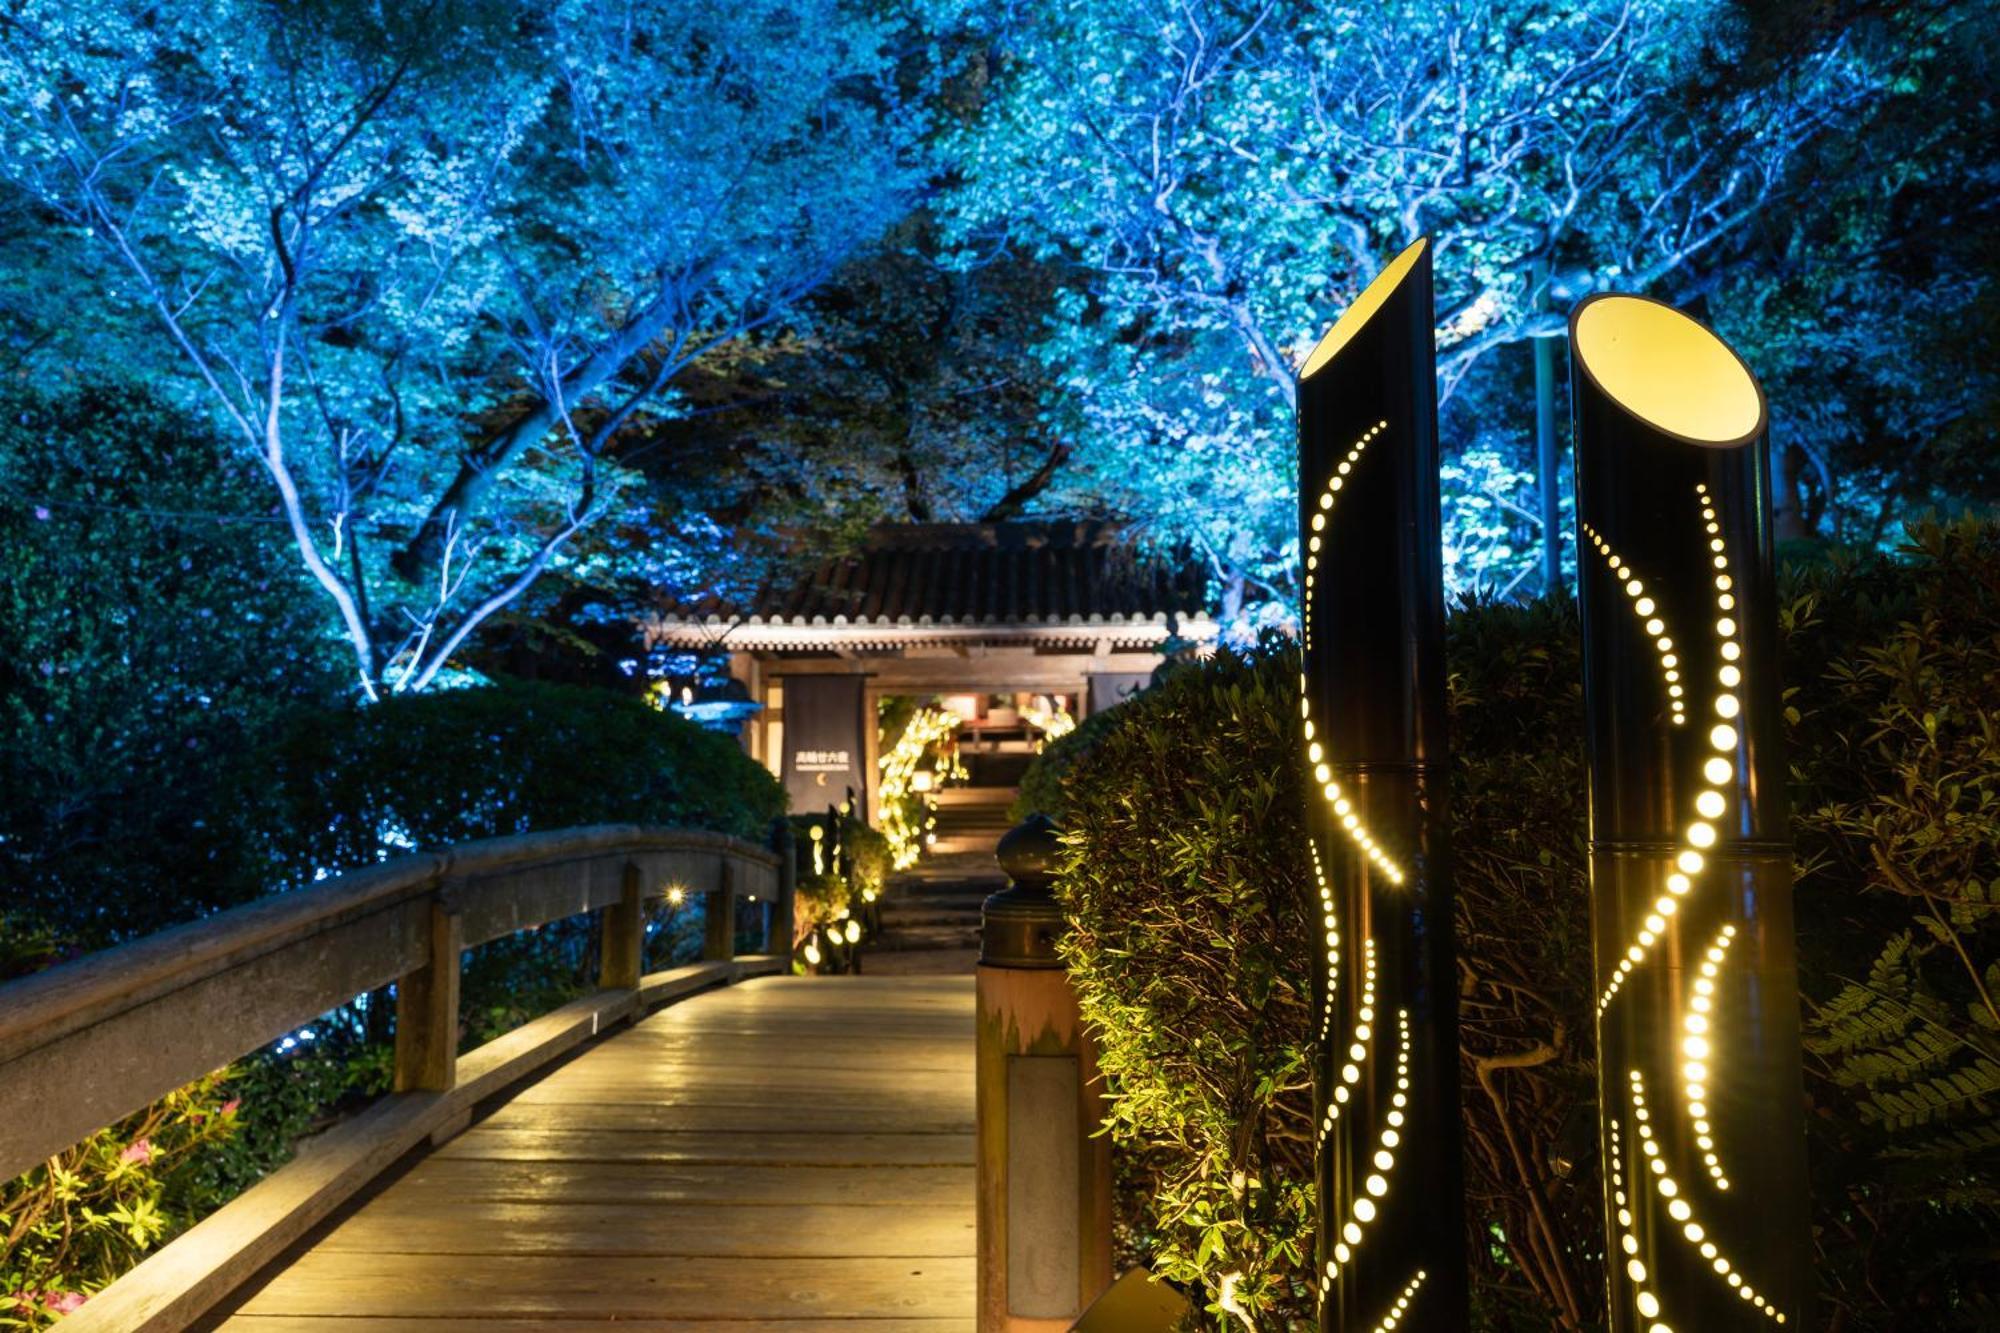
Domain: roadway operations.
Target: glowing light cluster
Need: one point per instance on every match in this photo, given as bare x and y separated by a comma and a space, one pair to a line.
1402, 1305
1382, 1162
1649, 616
1682, 1212
1359, 1045
1323, 513
1331, 923
1718, 771
1697, 1048
926, 750
1628, 1243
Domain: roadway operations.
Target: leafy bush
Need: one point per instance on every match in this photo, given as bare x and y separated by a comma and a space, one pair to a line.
1896, 755
1187, 911
1893, 668
349, 787
97, 1209
155, 625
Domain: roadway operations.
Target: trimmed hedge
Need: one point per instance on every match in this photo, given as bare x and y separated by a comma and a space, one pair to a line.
1184, 884
352, 786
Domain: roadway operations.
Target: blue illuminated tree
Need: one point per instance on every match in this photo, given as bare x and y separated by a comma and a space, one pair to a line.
425, 262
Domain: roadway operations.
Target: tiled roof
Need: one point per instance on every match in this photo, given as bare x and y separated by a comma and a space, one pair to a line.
981, 580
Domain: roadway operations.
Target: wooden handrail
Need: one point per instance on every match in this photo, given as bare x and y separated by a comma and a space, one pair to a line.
87, 1043
84, 1044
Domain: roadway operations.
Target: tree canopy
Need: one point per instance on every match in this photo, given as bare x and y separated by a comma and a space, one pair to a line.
521, 308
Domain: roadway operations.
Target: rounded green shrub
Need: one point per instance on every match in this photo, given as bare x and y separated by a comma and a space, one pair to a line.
348, 787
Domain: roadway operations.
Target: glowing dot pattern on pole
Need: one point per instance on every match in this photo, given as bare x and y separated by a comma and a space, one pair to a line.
1344, 813
1402, 1305
1330, 922
1644, 1297
1360, 1049
1323, 513
1655, 623
1674, 1200
1381, 1162
1712, 801
1375, 748
1697, 1026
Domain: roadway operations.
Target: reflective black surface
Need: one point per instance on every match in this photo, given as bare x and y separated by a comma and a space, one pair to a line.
1698, 1024
1374, 702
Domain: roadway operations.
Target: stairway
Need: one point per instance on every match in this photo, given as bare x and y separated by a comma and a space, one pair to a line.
971, 820
930, 916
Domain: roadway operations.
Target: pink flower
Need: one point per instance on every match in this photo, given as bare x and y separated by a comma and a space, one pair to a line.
42, 513
141, 1151
66, 1302
229, 1107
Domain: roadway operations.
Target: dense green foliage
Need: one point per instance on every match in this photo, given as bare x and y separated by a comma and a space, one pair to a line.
1896, 751
1893, 711
1185, 924
352, 786
155, 630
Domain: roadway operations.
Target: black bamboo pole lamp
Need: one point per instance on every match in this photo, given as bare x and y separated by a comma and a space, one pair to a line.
1391, 1230
1700, 1108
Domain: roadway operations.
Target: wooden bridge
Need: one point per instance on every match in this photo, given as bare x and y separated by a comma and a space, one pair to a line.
717, 1142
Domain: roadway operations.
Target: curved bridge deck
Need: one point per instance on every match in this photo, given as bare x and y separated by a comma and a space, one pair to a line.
787, 1153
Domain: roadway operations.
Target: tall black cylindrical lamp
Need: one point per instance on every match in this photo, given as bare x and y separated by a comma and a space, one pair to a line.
1700, 1111
1391, 1236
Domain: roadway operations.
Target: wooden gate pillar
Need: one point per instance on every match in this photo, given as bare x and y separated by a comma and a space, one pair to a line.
1044, 1174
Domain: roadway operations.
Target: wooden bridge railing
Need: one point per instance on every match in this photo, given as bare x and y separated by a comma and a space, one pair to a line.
87, 1043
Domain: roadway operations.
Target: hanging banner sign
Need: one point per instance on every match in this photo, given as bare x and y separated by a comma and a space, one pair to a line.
825, 745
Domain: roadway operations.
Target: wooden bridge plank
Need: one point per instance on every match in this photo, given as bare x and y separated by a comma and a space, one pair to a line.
341, 1323
584, 1231
530, 1286
719, 1140
697, 1111
645, 1182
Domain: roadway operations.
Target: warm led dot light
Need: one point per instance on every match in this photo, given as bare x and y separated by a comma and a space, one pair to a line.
1710, 804
1696, 1025
1401, 1305
1364, 1019
1645, 609
1647, 1301
1669, 1190
1364, 1209
1319, 520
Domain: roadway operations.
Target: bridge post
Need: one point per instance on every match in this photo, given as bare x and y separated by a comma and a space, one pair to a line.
622, 942
427, 1011
1044, 1209
719, 919
778, 940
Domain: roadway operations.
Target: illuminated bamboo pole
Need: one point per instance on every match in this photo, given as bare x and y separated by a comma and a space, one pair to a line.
1700, 1105
1391, 1234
